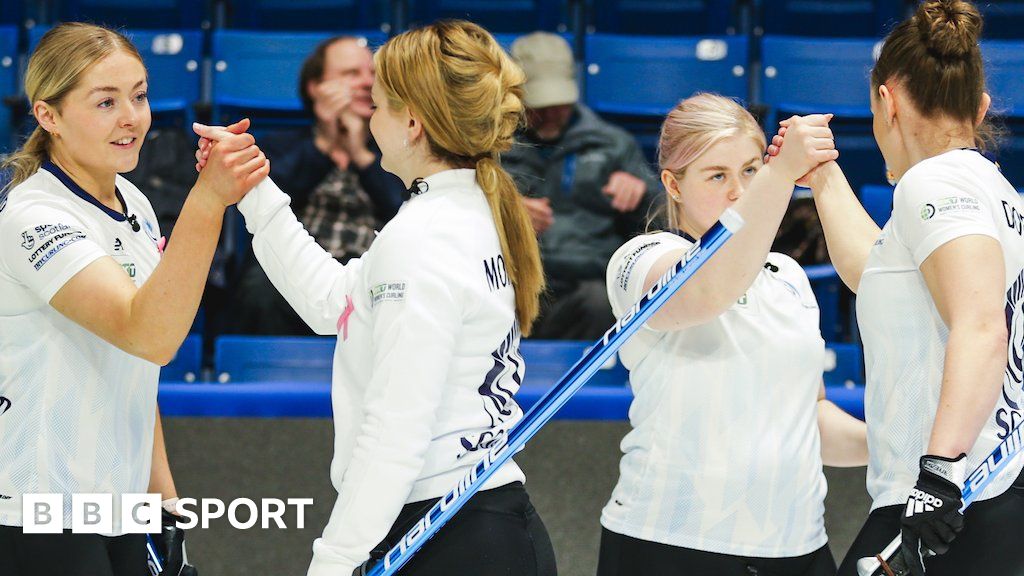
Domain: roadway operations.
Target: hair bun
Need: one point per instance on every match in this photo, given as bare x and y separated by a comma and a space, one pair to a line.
949, 28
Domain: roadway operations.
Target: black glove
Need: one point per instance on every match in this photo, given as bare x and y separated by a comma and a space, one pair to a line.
932, 518
170, 545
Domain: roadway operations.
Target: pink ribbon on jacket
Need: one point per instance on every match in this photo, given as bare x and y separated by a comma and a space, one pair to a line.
343, 319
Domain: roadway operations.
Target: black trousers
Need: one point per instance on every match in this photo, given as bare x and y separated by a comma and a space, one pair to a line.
70, 554
497, 533
626, 556
990, 543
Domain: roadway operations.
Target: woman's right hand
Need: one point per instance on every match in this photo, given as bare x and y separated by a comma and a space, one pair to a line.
233, 164
808, 144
813, 179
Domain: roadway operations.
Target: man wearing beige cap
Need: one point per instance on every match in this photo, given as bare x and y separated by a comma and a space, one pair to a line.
585, 184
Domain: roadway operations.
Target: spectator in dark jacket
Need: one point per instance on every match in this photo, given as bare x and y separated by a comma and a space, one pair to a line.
332, 173
586, 186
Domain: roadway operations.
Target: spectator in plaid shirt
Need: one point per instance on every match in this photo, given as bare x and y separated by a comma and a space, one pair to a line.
332, 173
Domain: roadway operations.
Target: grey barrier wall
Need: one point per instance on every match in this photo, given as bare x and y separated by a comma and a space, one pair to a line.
571, 468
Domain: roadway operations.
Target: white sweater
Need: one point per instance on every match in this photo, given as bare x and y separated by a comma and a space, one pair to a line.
427, 360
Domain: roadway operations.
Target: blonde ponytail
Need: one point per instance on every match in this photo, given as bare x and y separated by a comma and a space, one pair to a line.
25, 161
468, 93
518, 241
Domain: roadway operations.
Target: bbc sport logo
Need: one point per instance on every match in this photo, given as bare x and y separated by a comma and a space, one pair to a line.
141, 513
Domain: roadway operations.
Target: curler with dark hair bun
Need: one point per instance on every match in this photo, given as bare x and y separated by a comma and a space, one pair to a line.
949, 28
935, 56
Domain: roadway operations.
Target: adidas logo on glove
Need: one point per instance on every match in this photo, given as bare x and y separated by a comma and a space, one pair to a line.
923, 502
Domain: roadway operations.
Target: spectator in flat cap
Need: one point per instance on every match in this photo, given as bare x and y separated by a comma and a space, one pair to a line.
586, 186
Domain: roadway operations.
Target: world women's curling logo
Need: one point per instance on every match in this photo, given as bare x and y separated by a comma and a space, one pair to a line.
1013, 381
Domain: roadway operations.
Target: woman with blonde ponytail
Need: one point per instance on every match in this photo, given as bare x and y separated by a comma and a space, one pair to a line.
91, 302
430, 318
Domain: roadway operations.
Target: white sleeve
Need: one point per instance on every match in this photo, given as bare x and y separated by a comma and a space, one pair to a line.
416, 310
629, 266
929, 212
42, 247
313, 282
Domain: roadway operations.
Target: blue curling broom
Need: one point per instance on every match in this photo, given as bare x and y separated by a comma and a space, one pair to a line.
503, 448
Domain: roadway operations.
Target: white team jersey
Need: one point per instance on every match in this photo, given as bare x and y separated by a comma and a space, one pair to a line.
427, 360
724, 453
76, 413
955, 194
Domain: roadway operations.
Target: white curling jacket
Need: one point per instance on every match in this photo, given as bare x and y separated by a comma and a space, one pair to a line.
427, 360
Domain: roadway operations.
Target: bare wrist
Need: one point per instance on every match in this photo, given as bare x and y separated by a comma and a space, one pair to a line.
206, 200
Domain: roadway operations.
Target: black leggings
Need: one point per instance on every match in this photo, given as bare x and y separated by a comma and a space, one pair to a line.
70, 554
626, 556
497, 533
990, 543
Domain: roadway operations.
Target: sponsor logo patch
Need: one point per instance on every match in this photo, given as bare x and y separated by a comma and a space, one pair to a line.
624, 271
59, 241
387, 292
949, 204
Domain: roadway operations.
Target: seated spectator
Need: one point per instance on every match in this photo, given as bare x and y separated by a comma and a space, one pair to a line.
586, 186
332, 173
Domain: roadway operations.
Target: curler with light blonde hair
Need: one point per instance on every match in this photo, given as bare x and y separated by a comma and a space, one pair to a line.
57, 65
468, 94
695, 125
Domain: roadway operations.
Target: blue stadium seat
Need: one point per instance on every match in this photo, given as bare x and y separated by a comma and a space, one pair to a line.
187, 363
173, 61
1003, 18
273, 359
8, 81
496, 15
877, 201
135, 14
664, 17
309, 15
259, 71
805, 75
309, 359
12, 12
839, 18
826, 284
844, 365
548, 360
1004, 63
507, 38
647, 76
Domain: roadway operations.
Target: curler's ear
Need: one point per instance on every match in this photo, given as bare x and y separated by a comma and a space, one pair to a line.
986, 103
46, 116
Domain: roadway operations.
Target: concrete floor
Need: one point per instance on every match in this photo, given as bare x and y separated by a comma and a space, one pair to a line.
571, 469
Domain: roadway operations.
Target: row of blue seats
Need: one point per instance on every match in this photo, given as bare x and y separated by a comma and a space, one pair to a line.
309, 359
625, 75
277, 377
659, 17
633, 80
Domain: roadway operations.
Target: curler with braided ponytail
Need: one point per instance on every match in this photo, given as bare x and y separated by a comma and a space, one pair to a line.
468, 93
